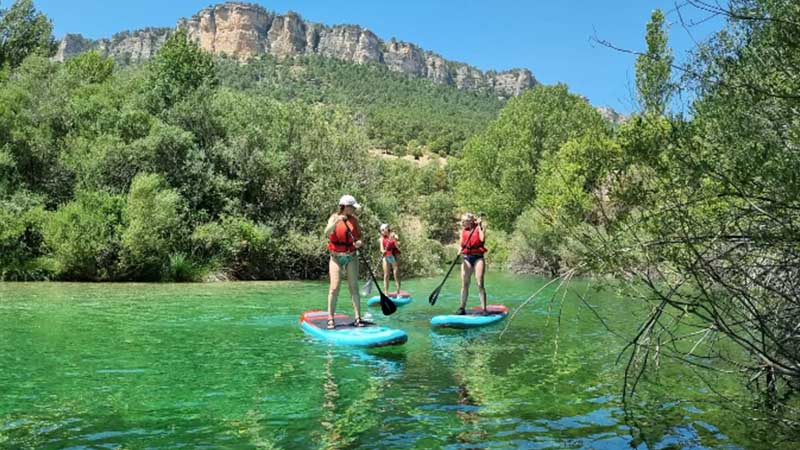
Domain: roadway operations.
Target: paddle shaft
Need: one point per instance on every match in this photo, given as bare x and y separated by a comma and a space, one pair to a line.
366, 262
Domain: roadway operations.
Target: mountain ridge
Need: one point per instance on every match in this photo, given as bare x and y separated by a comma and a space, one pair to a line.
246, 30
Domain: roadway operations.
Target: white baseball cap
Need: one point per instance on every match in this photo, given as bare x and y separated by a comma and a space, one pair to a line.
384, 227
349, 200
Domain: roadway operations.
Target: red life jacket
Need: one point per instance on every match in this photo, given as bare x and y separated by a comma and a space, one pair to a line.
475, 246
390, 247
340, 241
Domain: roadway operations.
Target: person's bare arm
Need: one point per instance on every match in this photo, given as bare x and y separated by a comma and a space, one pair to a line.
332, 221
357, 231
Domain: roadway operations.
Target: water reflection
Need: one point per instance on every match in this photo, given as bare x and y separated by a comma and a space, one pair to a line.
471, 434
344, 420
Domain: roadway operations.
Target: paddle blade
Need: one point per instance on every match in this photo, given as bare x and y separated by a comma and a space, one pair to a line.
387, 305
434, 296
367, 288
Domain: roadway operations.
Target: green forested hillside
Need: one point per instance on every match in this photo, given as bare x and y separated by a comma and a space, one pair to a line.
401, 113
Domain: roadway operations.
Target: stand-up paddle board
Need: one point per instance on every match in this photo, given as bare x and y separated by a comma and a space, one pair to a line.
315, 324
474, 318
398, 298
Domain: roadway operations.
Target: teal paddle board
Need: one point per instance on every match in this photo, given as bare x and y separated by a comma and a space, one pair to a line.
401, 298
473, 318
314, 323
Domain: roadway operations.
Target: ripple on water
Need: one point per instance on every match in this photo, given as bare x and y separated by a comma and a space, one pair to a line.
121, 371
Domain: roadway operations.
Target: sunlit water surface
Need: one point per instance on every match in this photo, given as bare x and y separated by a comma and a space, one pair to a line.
227, 366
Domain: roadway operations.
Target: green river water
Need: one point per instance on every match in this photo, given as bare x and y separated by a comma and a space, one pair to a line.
226, 365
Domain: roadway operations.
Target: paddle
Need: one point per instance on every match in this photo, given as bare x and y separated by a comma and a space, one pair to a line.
435, 294
387, 305
367, 289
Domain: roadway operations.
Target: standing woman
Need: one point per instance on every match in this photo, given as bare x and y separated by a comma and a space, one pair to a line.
390, 250
344, 238
473, 237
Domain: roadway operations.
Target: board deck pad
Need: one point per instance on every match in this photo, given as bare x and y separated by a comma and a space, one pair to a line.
342, 321
399, 294
315, 323
474, 317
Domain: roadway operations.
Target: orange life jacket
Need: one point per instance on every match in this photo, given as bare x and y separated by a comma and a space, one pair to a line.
475, 246
340, 241
390, 247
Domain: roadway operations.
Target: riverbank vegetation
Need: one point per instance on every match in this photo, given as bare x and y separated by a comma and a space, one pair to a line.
161, 172
701, 209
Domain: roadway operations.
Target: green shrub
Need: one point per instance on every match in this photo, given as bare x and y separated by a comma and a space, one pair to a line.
439, 214
22, 219
535, 245
300, 255
83, 236
421, 256
499, 244
90, 67
179, 68
153, 228
235, 246
498, 168
182, 269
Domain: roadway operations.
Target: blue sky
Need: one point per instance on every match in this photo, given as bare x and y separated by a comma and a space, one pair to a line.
550, 38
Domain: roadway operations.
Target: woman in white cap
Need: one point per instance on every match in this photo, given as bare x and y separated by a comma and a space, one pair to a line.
344, 238
390, 250
473, 237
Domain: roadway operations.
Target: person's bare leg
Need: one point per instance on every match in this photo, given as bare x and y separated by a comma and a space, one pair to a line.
480, 270
466, 274
333, 292
396, 276
352, 283
385, 275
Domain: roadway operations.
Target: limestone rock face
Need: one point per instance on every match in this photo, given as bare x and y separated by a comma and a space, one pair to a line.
512, 82
73, 44
287, 36
404, 57
345, 42
128, 46
610, 115
437, 69
244, 30
233, 29
469, 78
135, 46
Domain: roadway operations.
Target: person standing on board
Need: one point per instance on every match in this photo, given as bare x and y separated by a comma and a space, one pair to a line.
473, 237
390, 250
344, 238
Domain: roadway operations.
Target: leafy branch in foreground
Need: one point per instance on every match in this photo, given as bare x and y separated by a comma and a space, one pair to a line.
711, 217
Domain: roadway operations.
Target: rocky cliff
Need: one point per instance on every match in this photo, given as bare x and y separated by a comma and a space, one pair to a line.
610, 115
128, 46
245, 30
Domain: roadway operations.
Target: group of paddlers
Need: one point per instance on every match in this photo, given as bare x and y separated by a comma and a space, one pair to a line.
345, 238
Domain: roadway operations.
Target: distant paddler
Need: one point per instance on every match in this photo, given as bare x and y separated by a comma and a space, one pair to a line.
473, 248
390, 249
